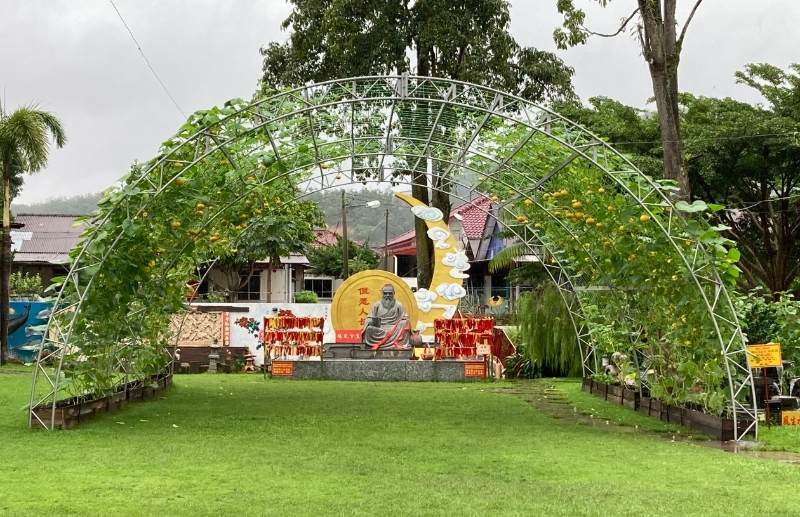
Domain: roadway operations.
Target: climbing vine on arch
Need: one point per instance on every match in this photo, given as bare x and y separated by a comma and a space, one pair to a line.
242, 157
625, 249
190, 205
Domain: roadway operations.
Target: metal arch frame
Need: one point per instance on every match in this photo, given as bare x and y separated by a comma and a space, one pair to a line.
557, 274
571, 137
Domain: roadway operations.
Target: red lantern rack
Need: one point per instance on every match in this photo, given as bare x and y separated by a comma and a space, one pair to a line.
288, 335
459, 337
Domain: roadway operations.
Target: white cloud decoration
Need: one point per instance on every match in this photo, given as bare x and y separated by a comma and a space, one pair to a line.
451, 291
450, 311
459, 263
427, 213
439, 236
456, 273
425, 299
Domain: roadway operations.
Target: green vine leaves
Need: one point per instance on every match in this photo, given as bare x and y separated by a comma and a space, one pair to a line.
645, 273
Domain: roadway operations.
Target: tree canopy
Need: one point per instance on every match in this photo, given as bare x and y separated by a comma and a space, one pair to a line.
327, 260
656, 29
288, 229
748, 158
25, 137
744, 157
467, 41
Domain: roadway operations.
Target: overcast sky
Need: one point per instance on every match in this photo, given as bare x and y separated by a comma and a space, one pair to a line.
75, 58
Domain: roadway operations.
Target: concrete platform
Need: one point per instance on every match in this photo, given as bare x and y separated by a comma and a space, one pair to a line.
381, 370
360, 351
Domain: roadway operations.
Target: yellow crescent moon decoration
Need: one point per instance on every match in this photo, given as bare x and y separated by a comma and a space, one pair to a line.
448, 269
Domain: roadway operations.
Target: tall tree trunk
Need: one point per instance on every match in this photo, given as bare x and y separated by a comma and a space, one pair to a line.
668, 122
419, 191
5, 270
661, 50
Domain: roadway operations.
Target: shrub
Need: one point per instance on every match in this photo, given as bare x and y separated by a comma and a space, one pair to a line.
24, 285
305, 297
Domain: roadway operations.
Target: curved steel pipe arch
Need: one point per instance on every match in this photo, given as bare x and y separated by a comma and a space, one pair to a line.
491, 103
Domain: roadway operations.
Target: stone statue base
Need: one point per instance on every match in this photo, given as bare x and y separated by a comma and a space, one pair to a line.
388, 370
361, 351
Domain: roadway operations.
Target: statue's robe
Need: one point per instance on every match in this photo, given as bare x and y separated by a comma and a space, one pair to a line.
387, 328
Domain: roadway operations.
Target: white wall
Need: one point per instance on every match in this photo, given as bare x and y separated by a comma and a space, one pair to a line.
240, 337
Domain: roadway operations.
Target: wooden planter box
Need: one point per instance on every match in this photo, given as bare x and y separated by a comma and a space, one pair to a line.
586, 384
630, 398
117, 401
69, 413
599, 389
709, 425
135, 393
644, 406
66, 417
613, 394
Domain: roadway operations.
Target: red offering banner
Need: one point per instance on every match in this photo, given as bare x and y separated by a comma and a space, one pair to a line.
475, 370
282, 368
288, 335
460, 337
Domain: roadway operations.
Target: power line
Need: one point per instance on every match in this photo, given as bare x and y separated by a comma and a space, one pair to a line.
748, 207
794, 134
147, 60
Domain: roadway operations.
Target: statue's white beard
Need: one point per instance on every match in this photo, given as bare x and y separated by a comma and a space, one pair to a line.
387, 304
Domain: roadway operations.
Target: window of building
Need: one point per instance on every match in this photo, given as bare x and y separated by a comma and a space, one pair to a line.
251, 291
406, 265
322, 286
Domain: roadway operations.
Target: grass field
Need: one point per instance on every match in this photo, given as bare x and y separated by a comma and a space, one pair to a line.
242, 446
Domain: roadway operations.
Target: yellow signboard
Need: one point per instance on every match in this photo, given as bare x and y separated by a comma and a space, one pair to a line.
764, 356
282, 368
790, 418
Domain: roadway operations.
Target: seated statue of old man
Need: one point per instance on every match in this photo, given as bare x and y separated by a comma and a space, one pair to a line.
387, 325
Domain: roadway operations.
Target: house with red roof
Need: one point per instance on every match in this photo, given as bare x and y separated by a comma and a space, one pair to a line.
475, 226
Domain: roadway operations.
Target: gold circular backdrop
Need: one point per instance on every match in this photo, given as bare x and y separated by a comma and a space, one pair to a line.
355, 297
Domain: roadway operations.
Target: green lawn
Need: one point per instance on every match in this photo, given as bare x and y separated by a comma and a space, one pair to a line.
241, 446
615, 413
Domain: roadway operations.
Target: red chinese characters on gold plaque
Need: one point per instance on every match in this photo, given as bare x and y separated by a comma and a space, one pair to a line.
355, 297
791, 418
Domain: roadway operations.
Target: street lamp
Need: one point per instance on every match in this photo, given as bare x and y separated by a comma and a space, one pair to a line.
345, 245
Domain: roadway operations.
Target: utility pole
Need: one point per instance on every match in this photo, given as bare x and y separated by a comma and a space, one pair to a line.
345, 250
386, 243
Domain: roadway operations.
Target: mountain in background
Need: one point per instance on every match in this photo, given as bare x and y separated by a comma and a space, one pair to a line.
362, 222
83, 204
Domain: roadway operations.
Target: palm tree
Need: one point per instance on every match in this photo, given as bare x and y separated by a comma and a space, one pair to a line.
24, 145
